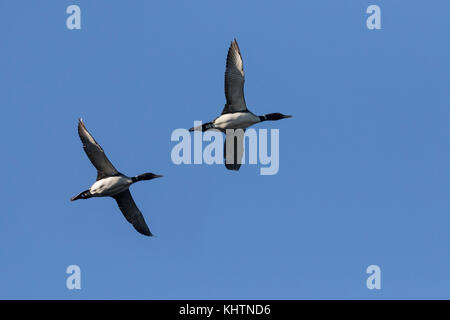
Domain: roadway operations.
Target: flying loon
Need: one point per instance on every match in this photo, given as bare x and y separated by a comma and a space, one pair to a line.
235, 114
112, 183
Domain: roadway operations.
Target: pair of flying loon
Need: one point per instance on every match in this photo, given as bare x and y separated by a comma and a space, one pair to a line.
235, 115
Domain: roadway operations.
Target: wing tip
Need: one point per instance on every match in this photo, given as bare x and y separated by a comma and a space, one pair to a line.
142, 228
234, 52
233, 166
81, 123
146, 233
234, 44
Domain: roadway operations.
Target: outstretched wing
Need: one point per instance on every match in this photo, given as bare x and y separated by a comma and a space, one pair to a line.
95, 153
234, 80
131, 212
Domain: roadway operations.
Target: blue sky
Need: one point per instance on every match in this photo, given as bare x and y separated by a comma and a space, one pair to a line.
364, 164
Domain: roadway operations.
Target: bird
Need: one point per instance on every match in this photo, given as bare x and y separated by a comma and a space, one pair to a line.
235, 114
112, 183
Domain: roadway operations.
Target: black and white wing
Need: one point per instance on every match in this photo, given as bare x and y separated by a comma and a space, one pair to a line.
131, 212
95, 153
234, 80
233, 156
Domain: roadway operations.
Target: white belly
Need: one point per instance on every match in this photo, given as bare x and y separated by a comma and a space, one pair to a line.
237, 120
110, 186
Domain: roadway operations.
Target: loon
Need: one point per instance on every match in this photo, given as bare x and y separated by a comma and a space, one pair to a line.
112, 183
235, 114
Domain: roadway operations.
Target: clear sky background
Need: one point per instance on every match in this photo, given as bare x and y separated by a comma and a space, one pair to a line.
364, 164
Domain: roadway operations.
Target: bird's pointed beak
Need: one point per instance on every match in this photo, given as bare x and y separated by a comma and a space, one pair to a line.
158, 176
286, 116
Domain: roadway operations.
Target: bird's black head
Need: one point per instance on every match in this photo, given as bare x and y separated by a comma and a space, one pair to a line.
146, 176
276, 116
